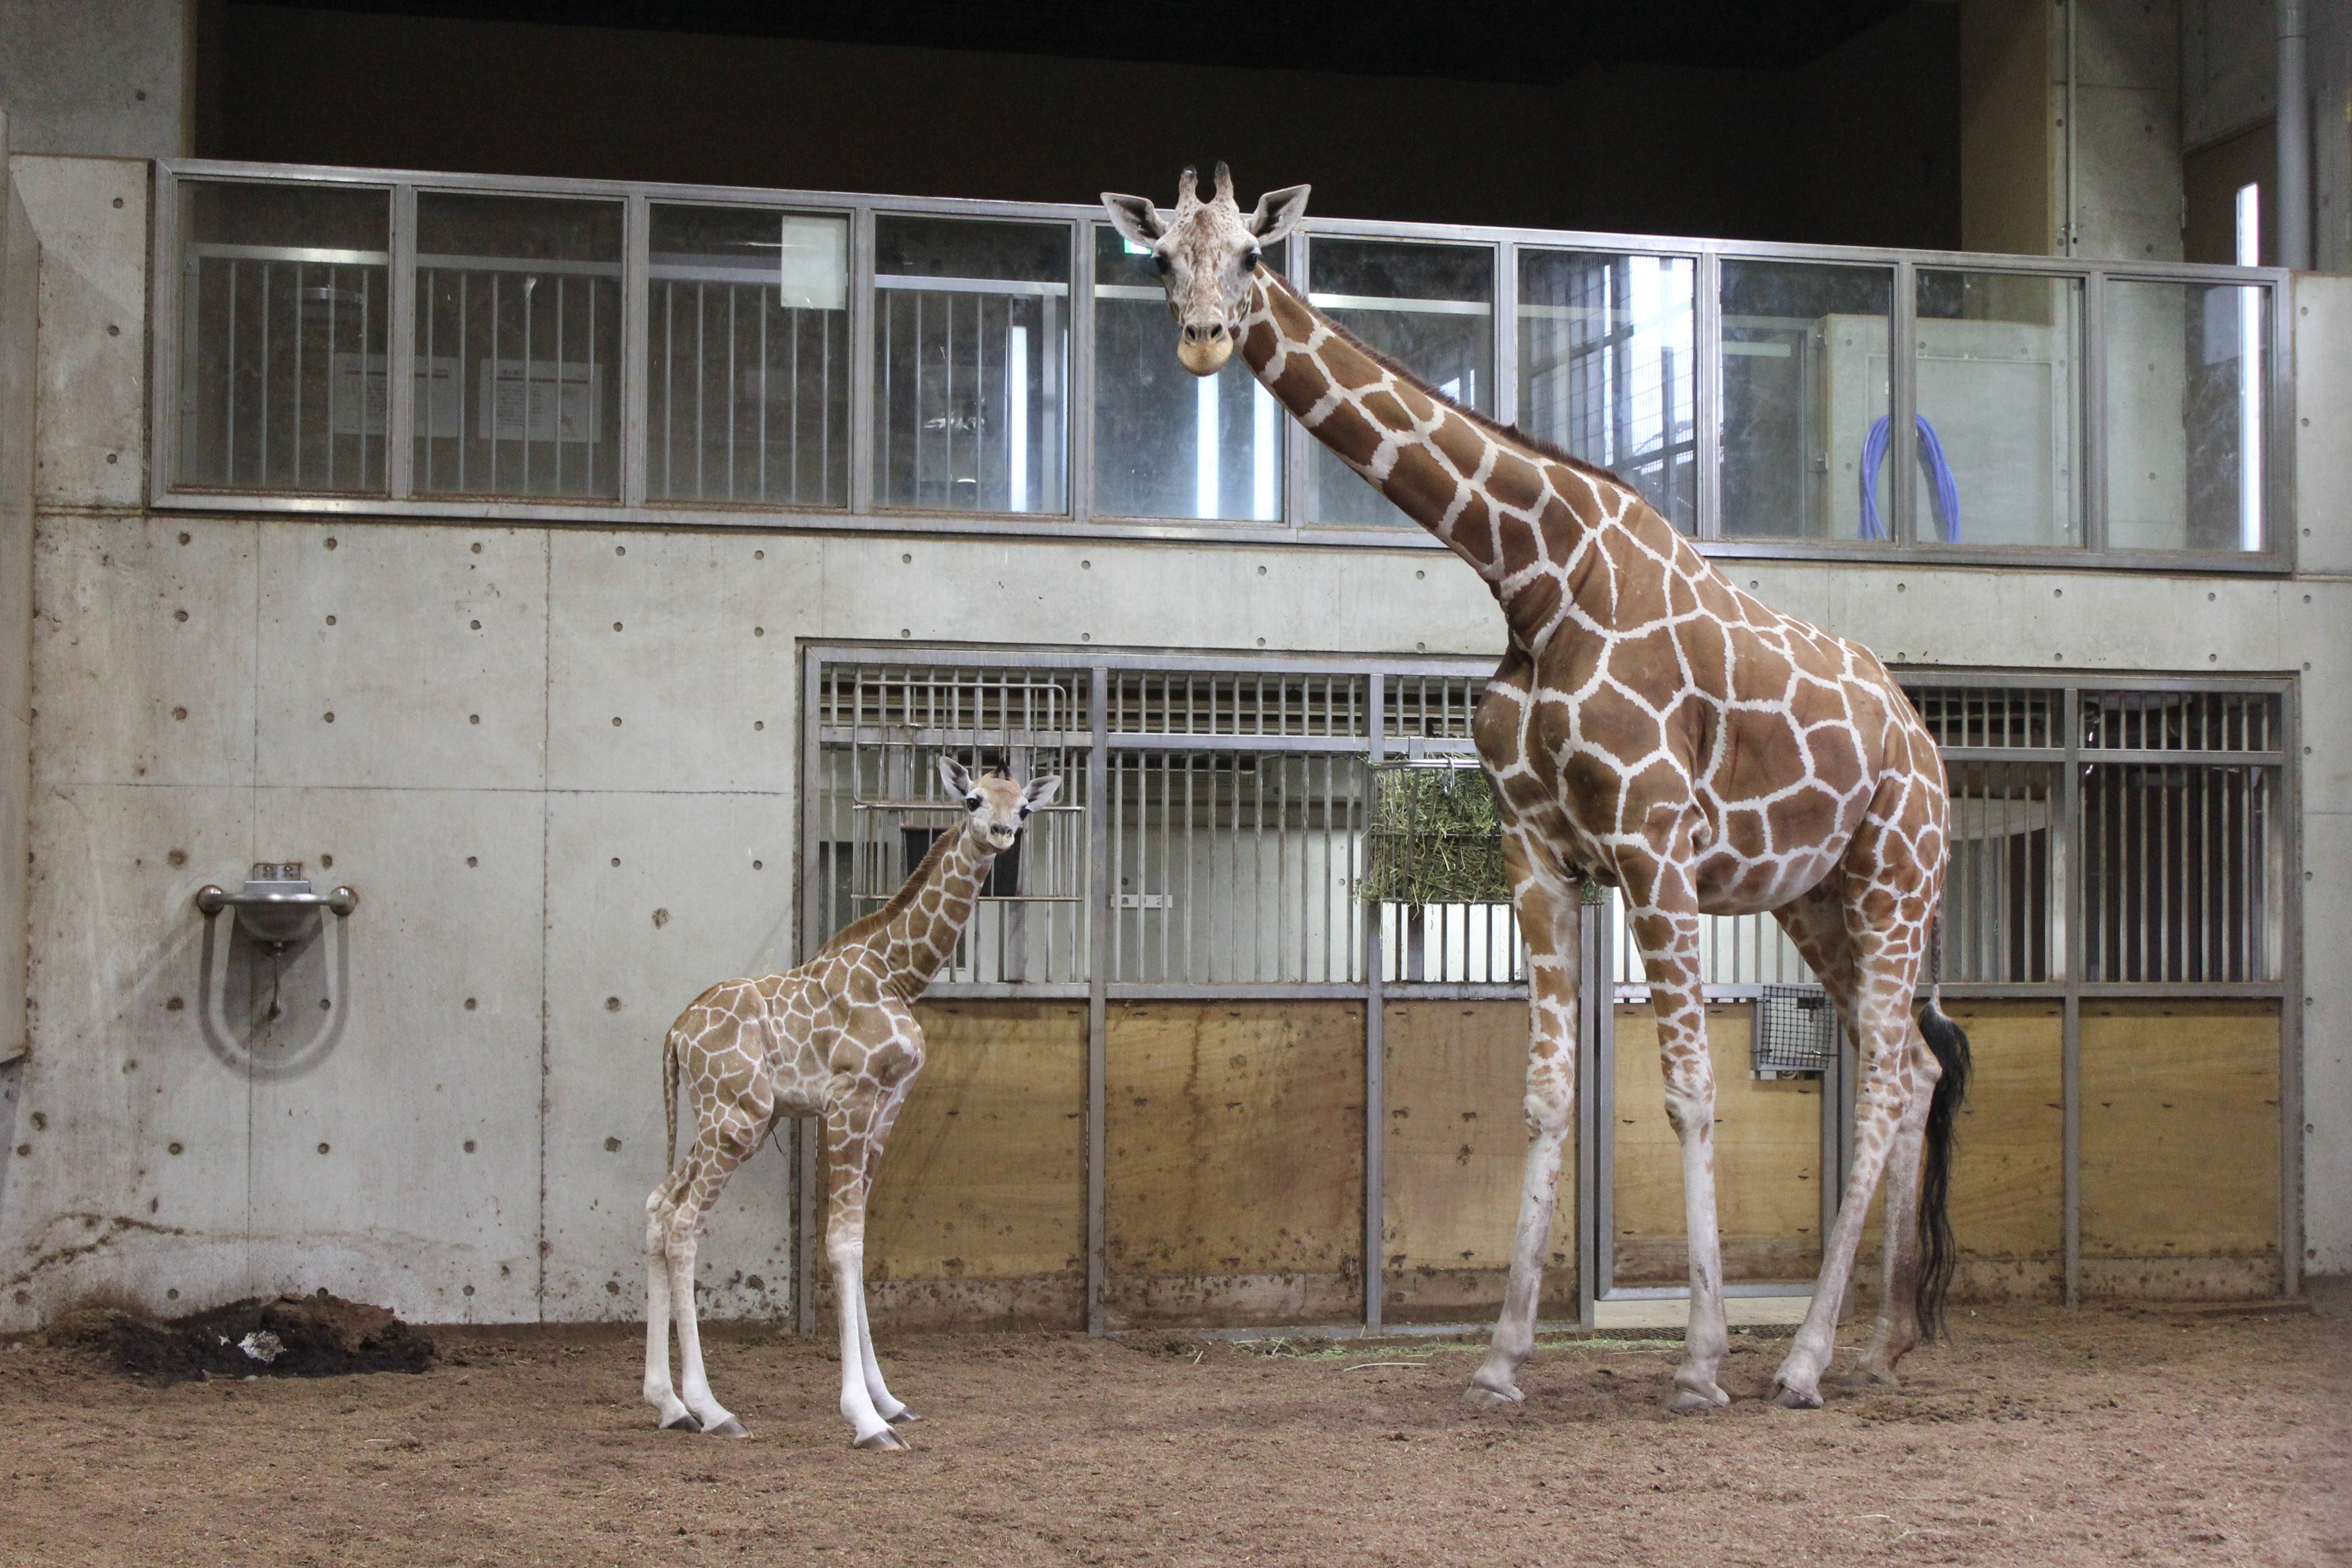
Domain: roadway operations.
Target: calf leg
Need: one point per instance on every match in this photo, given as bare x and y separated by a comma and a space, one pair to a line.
717, 1152
659, 1208
850, 1124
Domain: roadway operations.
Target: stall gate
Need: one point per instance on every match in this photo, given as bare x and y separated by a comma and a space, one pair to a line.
1183, 1072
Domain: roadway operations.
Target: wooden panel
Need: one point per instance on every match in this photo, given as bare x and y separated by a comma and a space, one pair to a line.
984, 1177
1456, 1142
1235, 1189
2180, 1130
1768, 1150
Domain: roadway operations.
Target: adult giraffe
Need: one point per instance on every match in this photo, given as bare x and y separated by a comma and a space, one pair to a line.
1655, 728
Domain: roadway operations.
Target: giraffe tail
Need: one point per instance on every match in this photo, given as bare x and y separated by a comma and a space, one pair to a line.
669, 1099
1938, 1255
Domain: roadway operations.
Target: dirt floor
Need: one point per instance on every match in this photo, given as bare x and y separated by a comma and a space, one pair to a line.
2037, 1437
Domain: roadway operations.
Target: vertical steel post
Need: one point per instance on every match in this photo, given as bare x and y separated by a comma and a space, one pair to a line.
1375, 1094
2067, 942
863, 302
1902, 408
1100, 902
399, 351
1706, 386
635, 295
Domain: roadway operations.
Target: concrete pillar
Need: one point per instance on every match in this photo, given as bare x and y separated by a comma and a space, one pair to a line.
102, 78
2008, 131
19, 298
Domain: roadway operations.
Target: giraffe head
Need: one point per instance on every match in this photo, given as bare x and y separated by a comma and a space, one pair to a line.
999, 806
1207, 252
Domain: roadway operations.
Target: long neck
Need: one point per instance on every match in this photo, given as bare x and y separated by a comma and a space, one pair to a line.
1521, 518
920, 935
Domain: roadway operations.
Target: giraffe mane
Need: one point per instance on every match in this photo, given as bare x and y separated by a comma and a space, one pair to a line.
1535, 445
904, 896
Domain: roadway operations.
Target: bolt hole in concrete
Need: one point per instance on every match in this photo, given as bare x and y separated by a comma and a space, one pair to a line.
174, 1004
330, 620
477, 547
473, 860
329, 716
179, 715
183, 615
327, 862
177, 857
473, 718
469, 1145
616, 721
612, 1145
475, 625
612, 1003
330, 541
184, 538
472, 1004
115, 331
758, 555
325, 1147
617, 860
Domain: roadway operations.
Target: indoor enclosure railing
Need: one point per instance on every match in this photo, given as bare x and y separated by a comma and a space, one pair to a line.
360, 342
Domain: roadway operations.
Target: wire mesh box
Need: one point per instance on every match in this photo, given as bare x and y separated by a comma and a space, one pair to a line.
1435, 837
1796, 1030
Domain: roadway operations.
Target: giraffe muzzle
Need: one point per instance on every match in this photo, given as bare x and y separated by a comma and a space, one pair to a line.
1205, 350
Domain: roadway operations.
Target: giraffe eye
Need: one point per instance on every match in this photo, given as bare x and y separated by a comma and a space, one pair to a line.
971, 803
1251, 257
1025, 814
1159, 261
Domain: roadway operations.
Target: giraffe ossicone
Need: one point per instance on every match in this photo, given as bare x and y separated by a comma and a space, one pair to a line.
836, 1039
1653, 726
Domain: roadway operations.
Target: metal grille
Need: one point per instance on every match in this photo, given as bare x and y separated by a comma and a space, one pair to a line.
1796, 1032
1424, 709
748, 399
1265, 703
514, 376
1997, 884
971, 393
1989, 716
2182, 721
2181, 872
881, 730
1233, 865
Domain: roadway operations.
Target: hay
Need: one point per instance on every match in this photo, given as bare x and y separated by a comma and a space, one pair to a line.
1434, 838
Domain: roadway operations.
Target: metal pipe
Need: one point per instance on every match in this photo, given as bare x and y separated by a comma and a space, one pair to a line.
2294, 138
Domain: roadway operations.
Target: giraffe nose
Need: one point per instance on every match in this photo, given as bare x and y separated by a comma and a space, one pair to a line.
1204, 334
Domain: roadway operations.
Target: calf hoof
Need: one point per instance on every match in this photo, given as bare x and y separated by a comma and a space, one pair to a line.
884, 1441
1867, 1376
1697, 1400
903, 1417
683, 1421
730, 1427
1788, 1398
1478, 1396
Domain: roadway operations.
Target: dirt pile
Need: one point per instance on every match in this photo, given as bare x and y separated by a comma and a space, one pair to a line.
283, 1336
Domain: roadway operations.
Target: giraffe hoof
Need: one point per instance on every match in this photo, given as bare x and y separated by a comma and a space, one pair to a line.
1481, 1397
730, 1427
1696, 1401
1788, 1398
884, 1441
682, 1422
903, 1417
1867, 1376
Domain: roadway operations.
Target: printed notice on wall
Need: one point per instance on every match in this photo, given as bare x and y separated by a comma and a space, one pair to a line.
355, 405
540, 400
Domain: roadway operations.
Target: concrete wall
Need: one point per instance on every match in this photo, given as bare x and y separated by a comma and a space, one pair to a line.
102, 78
20, 258
560, 830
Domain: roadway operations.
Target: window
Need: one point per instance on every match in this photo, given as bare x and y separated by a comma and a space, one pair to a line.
973, 347
1607, 371
1998, 442
2185, 369
1804, 385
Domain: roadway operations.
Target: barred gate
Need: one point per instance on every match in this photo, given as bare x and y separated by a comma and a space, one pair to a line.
1267, 1032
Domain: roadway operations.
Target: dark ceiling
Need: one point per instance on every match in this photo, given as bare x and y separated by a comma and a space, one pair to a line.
1462, 40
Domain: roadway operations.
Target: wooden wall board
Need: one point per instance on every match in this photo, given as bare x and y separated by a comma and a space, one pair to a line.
1236, 1137
984, 1176
2181, 1128
1768, 1149
1454, 1143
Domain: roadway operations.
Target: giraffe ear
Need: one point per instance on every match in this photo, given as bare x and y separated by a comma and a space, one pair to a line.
1041, 791
955, 777
1278, 213
1134, 218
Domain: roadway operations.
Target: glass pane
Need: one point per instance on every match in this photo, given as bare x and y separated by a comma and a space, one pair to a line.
1999, 455
972, 342
282, 336
747, 396
1605, 368
2185, 369
1431, 308
1805, 381
518, 346
1168, 443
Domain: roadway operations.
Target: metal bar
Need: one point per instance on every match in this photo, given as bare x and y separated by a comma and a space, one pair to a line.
1903, 406
864, 376
635, 345
1375, 1079
1079, 382
1707, 374
1098, 998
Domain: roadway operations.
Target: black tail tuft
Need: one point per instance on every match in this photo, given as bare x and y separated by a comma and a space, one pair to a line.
1938, 1255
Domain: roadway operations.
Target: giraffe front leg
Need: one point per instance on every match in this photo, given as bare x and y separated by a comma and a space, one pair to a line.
849, 1123
1665, 925
1550, 918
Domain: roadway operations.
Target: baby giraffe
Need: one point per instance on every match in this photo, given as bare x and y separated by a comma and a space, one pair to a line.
835, 1038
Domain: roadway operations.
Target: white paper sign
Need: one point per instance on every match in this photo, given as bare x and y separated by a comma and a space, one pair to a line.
540, 400
358, 401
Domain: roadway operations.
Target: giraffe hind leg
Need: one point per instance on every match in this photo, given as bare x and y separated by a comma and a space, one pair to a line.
659, 1390
717, 1154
